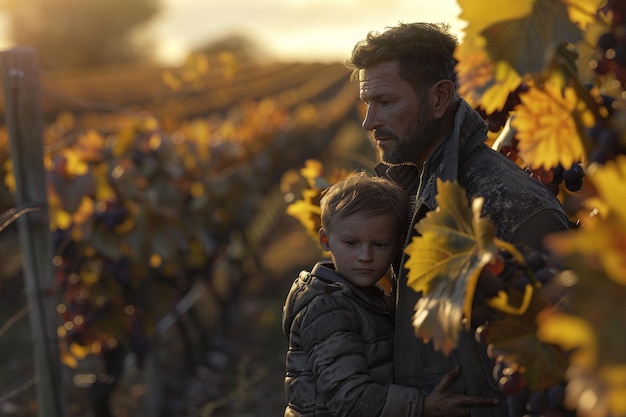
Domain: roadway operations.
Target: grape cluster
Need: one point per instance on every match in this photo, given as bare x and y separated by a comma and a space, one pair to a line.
572, 178
613, 43
505, 273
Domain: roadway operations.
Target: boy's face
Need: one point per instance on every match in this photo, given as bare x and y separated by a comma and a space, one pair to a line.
362, 247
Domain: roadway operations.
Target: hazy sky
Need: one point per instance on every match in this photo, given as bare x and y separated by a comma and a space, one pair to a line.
323, 30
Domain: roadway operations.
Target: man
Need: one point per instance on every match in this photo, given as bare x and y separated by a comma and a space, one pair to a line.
425, 131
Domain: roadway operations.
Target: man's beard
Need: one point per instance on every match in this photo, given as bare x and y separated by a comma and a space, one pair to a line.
413, 147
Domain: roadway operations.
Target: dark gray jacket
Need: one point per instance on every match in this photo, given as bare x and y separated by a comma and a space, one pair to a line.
339, 361
524, 211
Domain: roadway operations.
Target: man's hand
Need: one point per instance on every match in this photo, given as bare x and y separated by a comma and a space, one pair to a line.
444, 403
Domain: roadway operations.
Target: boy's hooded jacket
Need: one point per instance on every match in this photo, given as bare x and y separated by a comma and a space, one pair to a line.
339, 361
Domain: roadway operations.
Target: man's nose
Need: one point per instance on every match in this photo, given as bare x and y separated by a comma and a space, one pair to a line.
370, 122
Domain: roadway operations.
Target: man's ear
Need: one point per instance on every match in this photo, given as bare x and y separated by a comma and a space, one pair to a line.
442, 93
324, 240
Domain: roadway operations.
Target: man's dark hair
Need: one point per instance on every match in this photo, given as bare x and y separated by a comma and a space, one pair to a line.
425, 52
367, 196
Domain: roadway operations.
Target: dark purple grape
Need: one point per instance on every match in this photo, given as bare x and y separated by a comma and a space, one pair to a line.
620, 54
536, 260
606, 41
607, 138
520, 282
600, 155
556, 396
538, 402
489, 283
516, 403
574, 173
480, 315
544, 275
574, 185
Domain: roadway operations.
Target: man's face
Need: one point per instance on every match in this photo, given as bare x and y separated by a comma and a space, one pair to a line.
402, 124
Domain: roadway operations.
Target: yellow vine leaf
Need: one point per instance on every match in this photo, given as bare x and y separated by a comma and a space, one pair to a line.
312, 170
74, 163
84, 211
609, 182
66, 357
615, 378
546, 124
9, 176
307, 212
60, 219
489, 68
444, 263
572, 333
80, 351
484, 81
583, 12
104, 191
90, 146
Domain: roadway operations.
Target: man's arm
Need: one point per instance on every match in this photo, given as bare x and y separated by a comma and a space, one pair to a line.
533, 230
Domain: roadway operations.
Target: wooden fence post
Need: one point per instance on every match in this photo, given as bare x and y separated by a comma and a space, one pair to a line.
24, 121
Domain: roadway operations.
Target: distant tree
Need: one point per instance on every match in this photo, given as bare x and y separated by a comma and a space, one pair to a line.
240, 46
79, 33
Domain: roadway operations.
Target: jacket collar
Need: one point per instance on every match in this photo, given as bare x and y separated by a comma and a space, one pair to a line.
325, 271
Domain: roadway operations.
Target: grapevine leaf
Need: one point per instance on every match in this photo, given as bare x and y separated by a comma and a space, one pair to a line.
444, 263
583, 12
483, 81
603, 244
307, 212
610, 183
439, 315
597, 310
536, 37
598, 299
547, 127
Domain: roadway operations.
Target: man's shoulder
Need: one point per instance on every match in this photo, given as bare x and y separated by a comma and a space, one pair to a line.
512, 197
487, 171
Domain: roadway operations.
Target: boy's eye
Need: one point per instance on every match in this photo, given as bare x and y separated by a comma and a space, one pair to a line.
350, 242
380, 244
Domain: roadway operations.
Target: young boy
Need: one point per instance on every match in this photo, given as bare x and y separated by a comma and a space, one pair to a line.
339, 328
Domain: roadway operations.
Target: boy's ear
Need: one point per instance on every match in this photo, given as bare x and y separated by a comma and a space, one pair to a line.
324, 240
